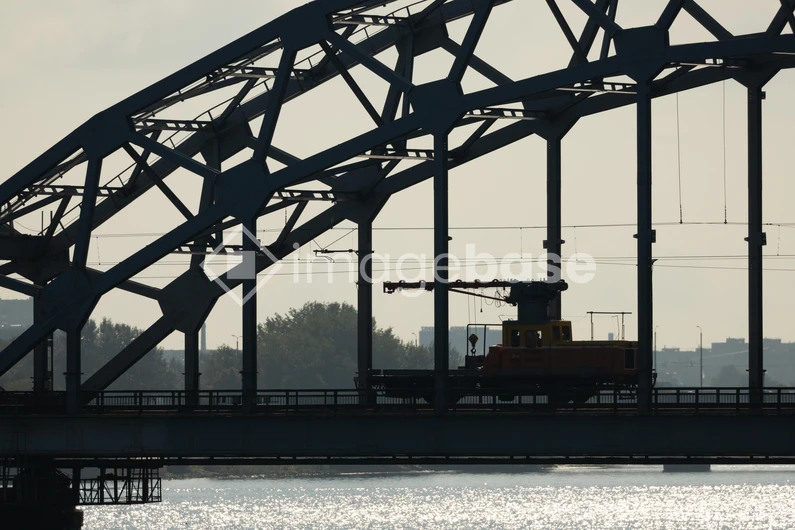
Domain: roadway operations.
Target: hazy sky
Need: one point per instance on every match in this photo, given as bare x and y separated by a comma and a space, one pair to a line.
63, 61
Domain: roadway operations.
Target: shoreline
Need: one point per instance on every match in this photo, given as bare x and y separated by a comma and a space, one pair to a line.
338, 471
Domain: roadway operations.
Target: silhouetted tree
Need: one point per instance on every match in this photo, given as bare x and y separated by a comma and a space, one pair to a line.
99, 343
315, 347
221, 369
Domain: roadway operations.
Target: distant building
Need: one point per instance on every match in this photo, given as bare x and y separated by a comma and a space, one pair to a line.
681, 366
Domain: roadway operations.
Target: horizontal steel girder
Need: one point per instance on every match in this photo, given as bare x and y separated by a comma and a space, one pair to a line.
386, 435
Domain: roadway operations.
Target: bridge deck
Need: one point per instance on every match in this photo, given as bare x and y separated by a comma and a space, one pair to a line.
417, 437
716, 426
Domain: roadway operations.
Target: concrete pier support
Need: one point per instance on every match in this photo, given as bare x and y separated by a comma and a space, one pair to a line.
38, 497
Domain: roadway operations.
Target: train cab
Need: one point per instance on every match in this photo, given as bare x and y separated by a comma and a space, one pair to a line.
518, 335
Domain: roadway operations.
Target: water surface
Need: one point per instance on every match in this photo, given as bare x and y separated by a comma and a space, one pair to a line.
729, 497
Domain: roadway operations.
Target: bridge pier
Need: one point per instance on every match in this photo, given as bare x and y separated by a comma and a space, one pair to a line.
38, 497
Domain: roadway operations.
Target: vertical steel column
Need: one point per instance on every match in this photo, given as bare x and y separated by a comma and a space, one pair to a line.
41, 370
192, 368
645, 237
364, 313
249, 373
192, 374
756, 240
441, 308
554, 241
73, 370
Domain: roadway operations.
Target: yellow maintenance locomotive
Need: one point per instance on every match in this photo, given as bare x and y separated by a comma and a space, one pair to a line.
538, 355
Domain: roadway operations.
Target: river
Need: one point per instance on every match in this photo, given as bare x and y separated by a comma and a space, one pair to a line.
587, 498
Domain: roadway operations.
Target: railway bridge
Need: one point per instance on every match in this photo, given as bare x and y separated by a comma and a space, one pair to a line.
417, 132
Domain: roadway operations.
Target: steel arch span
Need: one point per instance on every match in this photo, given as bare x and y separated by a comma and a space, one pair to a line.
243, 176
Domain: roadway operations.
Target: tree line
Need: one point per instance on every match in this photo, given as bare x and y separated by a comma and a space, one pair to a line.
309, 347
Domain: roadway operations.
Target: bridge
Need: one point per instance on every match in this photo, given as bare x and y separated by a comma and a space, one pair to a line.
242, 178
119, 428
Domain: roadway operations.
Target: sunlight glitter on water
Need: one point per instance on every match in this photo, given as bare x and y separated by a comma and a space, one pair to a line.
587, 499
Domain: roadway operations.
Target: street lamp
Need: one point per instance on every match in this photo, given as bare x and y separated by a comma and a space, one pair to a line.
237, 341
416, 341
700, 356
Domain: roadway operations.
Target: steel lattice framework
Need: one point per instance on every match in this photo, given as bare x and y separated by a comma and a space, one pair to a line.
610, 67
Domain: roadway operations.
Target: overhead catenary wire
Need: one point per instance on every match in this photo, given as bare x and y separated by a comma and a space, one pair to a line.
784, 224
513, 260
336, 272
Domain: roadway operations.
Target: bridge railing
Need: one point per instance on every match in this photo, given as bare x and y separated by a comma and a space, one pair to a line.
333, 399
291, 400
723, 397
